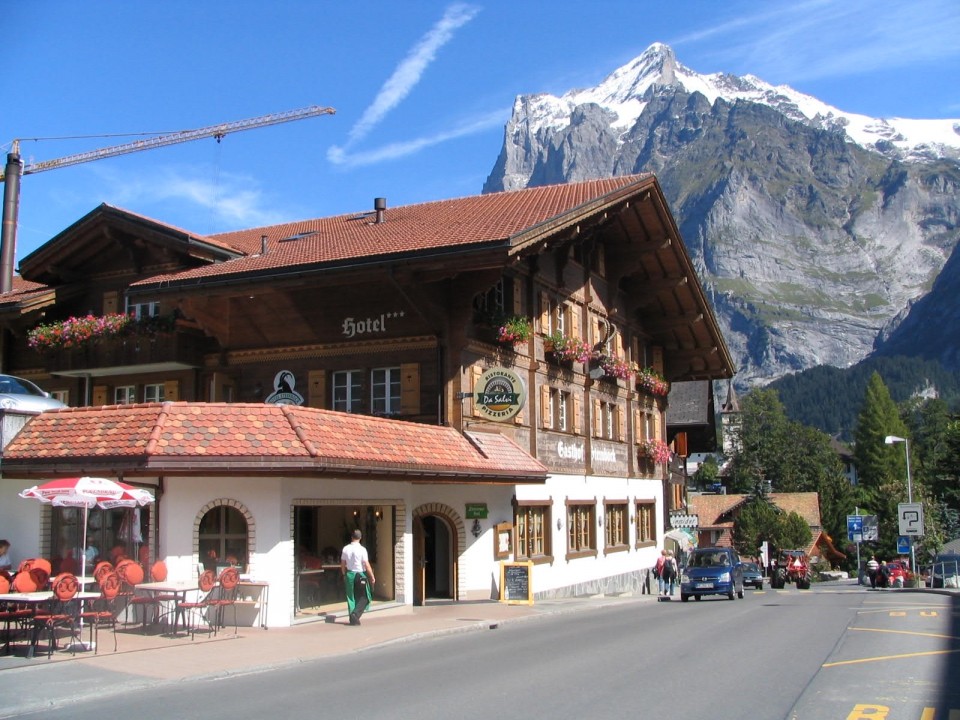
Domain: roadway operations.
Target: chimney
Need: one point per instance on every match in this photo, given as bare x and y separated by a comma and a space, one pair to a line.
263, 244
380, 205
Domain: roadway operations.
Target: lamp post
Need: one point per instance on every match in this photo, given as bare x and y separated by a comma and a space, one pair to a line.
891, 440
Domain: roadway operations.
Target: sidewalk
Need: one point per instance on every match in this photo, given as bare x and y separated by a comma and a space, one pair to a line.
145, 660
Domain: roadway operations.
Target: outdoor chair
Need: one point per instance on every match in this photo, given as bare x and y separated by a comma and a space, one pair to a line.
226, 596
102, 568
12, 614
60, 612
104, 610
199, 610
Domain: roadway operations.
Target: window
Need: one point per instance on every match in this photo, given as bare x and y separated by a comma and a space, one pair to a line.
347, 387
143, 309
615, 526
557, 413
61, 395
491, 304
533, 532
153, 393
558, 317
605, 422
223, 532
110, 533
125, 395
385, 391
646, 534
581, 529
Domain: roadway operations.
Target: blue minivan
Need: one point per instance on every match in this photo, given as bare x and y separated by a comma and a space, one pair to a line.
712, 571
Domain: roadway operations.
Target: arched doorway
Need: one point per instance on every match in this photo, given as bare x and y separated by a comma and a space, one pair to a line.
436, 549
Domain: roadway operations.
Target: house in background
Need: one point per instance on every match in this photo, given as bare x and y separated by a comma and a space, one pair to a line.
468, 381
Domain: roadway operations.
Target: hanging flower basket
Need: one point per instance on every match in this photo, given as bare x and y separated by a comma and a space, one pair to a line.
568, 349
514, 330
655, 450
652, 382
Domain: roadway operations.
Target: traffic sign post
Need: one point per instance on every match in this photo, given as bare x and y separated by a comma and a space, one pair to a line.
911, 519
855, 528
903, 545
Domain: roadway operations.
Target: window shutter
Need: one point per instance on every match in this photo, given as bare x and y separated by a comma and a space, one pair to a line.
597, 419
621, 423
317, 388
546, 420
658, 359
575, 322
594, 329
110, 300
476, 371
636, 426
99, 396
410, 388
577, 415
171, 390
601, 261
518, 296
618, 338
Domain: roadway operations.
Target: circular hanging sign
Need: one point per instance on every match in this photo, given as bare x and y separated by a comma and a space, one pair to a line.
499, 394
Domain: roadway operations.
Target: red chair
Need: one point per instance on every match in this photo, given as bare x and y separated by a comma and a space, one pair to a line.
59, 613
105, 609
158, 571
201, 607
226, 596
102, 568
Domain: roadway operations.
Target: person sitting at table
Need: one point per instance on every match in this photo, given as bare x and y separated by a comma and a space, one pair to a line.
6, 562
210, 561
117, 553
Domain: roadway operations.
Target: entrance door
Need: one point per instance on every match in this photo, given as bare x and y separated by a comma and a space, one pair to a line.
435, 553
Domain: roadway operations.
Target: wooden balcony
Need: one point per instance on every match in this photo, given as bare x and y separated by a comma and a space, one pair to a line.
179, 348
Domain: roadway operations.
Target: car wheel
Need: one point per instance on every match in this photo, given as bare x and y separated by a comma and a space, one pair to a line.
683, 597
731, 595
698, 597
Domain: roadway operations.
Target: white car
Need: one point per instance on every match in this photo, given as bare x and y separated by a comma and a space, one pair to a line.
19, 394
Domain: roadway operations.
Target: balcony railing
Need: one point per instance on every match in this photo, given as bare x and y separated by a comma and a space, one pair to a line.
181, 346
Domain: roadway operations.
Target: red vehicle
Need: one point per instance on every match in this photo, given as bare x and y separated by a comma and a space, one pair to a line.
895, 573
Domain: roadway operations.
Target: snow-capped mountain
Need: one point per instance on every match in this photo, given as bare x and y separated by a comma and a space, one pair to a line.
813, 229
625, 93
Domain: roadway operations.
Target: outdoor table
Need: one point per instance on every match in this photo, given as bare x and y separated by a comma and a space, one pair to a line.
177, 590
36, 600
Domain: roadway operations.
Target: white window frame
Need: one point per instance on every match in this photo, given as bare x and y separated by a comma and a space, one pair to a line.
144, 309
385, 391
350, 383
125, 395
153, 392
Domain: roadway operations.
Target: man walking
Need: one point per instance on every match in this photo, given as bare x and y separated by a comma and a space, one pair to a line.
873, 567
357, 577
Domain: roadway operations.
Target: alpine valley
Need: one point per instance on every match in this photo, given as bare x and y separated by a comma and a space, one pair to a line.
822, 237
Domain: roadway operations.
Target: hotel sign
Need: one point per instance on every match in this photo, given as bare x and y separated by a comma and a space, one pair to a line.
499, 394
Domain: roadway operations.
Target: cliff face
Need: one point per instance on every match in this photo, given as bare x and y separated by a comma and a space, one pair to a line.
810, 245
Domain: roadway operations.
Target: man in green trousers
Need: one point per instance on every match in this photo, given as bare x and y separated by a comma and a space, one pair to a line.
357, 577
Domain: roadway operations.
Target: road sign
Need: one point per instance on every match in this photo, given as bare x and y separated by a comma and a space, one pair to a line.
903, 545
911, 518
855, 528
871, 529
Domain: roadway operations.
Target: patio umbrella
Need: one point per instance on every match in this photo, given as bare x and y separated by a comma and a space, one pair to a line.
86, 493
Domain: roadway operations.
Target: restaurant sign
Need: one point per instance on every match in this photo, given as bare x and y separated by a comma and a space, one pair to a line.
499, 394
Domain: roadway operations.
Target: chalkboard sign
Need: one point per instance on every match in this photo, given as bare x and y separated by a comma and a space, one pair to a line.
515, 584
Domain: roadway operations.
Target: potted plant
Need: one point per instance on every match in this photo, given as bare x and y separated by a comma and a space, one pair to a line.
77, 332
614, 367
568, 349
655, 450
516, 329
652, 382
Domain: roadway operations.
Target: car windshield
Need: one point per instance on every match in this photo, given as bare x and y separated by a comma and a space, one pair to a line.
710, 559
15, 386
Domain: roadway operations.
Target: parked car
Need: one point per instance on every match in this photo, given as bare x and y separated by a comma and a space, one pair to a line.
752, 575
19, 394
899, 569
945, 571
712, 571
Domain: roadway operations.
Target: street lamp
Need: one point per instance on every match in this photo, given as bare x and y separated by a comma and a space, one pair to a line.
891, 440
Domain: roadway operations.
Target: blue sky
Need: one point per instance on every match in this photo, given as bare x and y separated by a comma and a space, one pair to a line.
422, 90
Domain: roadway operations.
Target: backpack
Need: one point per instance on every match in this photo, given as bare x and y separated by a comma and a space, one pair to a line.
669, 571
658, 568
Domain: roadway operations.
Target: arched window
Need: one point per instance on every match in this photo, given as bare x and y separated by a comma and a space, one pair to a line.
223, 537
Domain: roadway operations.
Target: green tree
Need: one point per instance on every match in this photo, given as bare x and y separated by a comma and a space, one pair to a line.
757, 521
794, 532
708, 472
760, 444
881, 467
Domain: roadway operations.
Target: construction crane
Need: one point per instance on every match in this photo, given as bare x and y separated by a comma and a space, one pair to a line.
15, 169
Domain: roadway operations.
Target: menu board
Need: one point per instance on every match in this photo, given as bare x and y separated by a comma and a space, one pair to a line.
515, 583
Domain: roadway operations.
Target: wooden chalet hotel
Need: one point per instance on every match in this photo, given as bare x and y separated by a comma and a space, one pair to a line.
280, 386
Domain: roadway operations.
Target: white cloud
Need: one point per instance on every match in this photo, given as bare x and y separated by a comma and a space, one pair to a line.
404, 78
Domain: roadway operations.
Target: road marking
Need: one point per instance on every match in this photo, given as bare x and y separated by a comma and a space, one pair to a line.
888, 657
906, 632
865, 712
928, 613
898, 613
931, 714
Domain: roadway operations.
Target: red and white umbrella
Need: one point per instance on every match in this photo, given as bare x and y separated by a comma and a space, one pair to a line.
88, 492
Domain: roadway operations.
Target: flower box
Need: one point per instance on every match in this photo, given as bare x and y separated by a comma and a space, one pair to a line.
567, 349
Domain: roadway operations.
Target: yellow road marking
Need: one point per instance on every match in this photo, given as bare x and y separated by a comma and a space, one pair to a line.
905, 632
888, 657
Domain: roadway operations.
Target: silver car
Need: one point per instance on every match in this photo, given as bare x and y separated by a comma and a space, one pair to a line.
19, 394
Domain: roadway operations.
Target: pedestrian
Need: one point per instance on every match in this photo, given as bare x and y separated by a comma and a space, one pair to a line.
873, 568
669, 574
358, 577
6, 562
658, 571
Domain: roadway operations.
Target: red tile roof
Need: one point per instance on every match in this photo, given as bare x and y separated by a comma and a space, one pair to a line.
259, 438
492, 219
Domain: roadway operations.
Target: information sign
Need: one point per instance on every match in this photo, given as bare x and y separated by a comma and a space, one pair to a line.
911, 519
855, 528
515, 585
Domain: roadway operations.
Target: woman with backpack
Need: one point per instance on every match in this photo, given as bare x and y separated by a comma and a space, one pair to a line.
658, 571
668, 574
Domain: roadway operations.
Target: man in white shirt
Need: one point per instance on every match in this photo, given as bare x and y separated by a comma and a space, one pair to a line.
357, 576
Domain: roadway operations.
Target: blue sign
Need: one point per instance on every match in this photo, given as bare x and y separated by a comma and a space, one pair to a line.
855, 528
903, 545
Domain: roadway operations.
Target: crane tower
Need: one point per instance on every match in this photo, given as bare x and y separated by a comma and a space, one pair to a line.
15, 169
